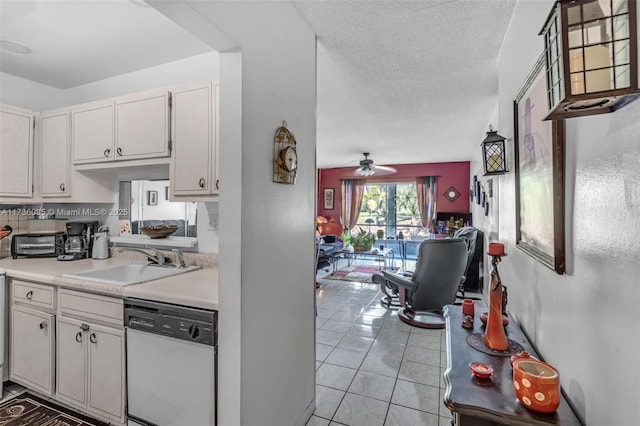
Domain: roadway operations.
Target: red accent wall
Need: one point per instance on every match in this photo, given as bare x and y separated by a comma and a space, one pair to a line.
454, 174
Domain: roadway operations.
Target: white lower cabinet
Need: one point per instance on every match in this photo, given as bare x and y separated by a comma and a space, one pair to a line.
90, 367
82, 347
71, 368
90, 357
31, 348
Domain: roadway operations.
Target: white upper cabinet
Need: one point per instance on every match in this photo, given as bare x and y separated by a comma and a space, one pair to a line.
16, 152
92, 132
56, 180
142, 126
132, 127
193, 169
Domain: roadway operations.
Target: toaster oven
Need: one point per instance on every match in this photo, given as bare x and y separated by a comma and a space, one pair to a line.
37, 245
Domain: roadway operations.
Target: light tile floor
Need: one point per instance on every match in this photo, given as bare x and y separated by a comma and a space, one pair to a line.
371, 368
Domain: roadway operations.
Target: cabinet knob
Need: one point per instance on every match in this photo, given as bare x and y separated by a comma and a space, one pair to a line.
119, 151
43, 325
62, 187
84, 327
79, 337
107, 152
217, 183
29, 295
201, 182
93, 338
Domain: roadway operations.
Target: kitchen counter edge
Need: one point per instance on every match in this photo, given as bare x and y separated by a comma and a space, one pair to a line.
199, 291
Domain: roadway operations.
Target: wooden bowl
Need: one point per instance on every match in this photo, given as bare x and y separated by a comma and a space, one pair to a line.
158, 231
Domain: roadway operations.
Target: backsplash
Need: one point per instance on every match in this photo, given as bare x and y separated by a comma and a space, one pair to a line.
20, 218
204, 260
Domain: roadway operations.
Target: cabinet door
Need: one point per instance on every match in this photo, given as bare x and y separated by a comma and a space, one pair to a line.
142, 126
31, 349
92, 133
16, 152
106, 372
191, 160
215, 134
71, 356
55, 155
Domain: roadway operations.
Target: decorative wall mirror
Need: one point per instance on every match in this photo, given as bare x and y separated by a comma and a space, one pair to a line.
452, 194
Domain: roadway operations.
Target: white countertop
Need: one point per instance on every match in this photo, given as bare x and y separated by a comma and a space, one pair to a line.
197, 288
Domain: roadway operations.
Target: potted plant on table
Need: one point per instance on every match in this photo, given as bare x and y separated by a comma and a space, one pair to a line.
363, 241
346, 239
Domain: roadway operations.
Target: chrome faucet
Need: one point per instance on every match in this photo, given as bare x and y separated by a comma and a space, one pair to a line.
156, 258
180, 257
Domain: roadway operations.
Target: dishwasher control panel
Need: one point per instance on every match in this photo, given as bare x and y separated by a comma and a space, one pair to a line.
179, 322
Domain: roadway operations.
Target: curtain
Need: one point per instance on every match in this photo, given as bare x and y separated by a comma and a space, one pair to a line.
427, 187
352, 191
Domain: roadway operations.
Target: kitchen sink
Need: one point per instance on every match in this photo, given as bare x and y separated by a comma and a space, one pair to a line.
131, 273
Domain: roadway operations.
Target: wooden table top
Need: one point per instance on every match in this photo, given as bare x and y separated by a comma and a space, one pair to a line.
490, 399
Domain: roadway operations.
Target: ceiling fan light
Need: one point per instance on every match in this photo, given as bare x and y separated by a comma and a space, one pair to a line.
366, 171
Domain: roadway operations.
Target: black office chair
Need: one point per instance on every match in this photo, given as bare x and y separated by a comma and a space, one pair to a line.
434, 283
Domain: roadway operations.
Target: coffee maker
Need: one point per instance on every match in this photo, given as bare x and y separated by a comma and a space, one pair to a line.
79, 243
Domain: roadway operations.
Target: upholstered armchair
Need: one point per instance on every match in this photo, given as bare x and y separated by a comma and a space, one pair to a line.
434, 283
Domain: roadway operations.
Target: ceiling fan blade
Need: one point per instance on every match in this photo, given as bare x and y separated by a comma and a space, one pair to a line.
374, 171
385, 168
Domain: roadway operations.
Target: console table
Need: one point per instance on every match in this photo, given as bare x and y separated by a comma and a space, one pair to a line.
487, 402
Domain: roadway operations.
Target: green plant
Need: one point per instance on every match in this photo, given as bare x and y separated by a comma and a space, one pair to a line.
363, 239
346, 237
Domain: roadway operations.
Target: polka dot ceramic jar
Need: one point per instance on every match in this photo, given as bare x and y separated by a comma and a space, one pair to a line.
537, 385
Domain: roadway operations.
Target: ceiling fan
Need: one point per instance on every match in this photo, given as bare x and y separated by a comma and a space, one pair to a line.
368, 169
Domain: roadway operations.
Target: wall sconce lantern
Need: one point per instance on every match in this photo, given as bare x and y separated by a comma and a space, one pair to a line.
591, 52
494, 153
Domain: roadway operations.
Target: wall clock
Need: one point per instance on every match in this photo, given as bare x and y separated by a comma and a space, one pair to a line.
285, 156
452, 194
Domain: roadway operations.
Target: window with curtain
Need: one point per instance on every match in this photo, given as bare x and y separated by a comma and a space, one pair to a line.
391, 208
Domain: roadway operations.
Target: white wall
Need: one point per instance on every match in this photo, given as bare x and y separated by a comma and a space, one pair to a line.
195, 68
28, 94
584, 322
267, 334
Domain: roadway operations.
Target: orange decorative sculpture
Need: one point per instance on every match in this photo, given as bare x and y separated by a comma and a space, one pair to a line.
494, 336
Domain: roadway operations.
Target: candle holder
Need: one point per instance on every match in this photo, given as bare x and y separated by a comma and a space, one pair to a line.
494, 341
494, 336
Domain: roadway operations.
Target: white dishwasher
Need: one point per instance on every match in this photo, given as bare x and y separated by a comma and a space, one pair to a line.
171, 364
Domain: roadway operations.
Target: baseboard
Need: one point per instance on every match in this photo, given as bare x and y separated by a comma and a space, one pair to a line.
308, 412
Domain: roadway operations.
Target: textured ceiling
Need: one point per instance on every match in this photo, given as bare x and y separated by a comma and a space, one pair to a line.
407, 81
77, 42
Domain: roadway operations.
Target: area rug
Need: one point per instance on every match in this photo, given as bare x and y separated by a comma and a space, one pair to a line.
27, 409
360, 273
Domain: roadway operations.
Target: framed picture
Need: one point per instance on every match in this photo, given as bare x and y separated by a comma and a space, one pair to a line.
152, 198
539, 160
328, 198
125, 227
